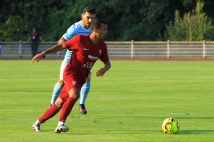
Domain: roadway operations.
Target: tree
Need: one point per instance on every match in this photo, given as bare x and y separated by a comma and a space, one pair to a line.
16, 32
143, 20
194, 26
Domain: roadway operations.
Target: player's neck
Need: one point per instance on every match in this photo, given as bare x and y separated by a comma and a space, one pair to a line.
85, 26
94, 38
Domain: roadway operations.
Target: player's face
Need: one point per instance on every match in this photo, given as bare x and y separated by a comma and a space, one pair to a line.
102, 32
87, 19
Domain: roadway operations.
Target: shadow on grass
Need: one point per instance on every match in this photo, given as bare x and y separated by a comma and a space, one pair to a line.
187, 132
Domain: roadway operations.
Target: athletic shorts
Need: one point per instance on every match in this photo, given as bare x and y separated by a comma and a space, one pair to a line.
62, 67
71, 80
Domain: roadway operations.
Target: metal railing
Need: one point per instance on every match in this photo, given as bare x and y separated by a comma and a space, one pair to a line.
123, 49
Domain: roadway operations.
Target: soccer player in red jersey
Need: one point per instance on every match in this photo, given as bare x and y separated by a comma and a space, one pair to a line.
81, 27
87, 49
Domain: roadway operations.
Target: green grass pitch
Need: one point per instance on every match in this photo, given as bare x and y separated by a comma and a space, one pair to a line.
127, 104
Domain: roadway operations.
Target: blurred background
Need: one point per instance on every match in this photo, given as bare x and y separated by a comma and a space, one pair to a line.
128, 20
141, 20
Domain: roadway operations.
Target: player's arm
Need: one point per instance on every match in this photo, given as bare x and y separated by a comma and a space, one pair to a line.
102, 71
41, 39
29, 39
51, 50
62, 40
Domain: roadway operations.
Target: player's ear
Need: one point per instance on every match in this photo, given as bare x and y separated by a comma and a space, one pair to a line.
96, 30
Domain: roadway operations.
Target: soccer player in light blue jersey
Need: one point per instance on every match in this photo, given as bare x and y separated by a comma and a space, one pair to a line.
81, 27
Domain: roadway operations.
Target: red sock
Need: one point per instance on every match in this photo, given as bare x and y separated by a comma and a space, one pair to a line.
50, 112
66, 108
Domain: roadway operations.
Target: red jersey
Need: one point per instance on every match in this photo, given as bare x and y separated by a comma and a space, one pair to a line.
84, 54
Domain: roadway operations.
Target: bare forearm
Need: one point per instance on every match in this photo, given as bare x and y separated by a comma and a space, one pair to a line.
54, 49
41, 39
29, 39
107, 65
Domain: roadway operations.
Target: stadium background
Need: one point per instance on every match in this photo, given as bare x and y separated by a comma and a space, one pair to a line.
130, 102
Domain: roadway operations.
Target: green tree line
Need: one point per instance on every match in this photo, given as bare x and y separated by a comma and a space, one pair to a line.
140, 20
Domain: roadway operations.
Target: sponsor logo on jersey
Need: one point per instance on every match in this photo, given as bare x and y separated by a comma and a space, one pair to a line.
92, 57
100, 51
86, 49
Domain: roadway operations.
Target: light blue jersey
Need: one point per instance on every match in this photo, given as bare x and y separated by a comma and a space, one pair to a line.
75, 29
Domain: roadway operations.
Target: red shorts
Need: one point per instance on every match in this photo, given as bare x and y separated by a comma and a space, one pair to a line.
71, 81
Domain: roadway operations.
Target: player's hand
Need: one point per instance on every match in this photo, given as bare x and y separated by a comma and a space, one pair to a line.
101, 72
37, 57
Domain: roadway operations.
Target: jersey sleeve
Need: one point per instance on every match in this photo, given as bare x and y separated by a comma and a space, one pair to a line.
104, 57
70, 33
73, 43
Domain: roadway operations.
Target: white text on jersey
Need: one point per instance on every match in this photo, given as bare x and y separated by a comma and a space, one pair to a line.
92, 57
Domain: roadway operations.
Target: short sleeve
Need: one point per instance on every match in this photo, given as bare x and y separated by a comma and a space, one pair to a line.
70, 33
73, 43
104, 56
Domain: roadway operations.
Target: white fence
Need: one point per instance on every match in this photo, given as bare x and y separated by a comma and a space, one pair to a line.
123, 49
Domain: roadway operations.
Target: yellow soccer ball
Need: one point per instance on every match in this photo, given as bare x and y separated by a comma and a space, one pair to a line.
170, 126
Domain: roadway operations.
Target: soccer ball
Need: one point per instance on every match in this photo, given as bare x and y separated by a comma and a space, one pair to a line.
170, 126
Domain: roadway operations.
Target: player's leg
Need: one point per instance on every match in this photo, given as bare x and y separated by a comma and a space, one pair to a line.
32, 48
36, 47
84, 94
49, 113
59, 85
73, 96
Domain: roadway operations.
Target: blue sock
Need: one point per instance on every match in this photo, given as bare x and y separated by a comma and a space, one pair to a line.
57, 90
84, 92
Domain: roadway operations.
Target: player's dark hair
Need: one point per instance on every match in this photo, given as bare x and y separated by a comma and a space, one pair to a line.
89, 9
96, 23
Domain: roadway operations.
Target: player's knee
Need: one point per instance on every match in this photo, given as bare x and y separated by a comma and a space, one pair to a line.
59, 102
75, 96
61, 83
74, 93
